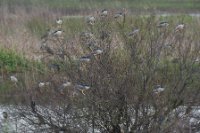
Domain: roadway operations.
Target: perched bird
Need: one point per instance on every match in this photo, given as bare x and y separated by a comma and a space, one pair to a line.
179, 27
134, 32
66, 84
90, 20
13, 79
118, 15
85, 58
158, 89
63, 86
82, 88
163, 24
59, 21
57, 33
97, 51
41, 84
104, 13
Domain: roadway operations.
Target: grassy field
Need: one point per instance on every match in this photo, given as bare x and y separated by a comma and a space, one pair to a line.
134, 5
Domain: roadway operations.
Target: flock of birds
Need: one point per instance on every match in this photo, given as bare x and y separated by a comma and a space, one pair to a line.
90, 20
81, 87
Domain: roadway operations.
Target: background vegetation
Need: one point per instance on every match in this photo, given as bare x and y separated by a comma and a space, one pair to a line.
123, 78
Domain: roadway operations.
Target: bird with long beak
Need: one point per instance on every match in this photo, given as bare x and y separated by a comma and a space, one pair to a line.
163, 24
179, 27
82, 88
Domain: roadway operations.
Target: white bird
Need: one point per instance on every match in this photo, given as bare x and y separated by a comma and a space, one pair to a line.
58, 33
179, 27
104, 13
13, 79
134, 32
82, 88
63, 86
158, 89
67, 84
118, 15
90, 20
59, 21
97, 52
163, 24
41, 84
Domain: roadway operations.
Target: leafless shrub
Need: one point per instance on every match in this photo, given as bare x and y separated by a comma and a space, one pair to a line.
114, 90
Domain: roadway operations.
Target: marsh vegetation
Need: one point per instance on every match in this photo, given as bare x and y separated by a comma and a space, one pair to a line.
101, 72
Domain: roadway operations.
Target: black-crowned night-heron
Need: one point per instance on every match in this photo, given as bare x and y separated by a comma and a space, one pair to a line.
179, 27
134, 32
104, 13
58, 32
59, 21
90, 20
63, 86
119, 15
43, 84
163, 24
158, 89
82, 88
97, 51
86, 58
13, 79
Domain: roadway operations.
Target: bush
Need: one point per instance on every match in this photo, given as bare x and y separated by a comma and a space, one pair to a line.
131, 83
